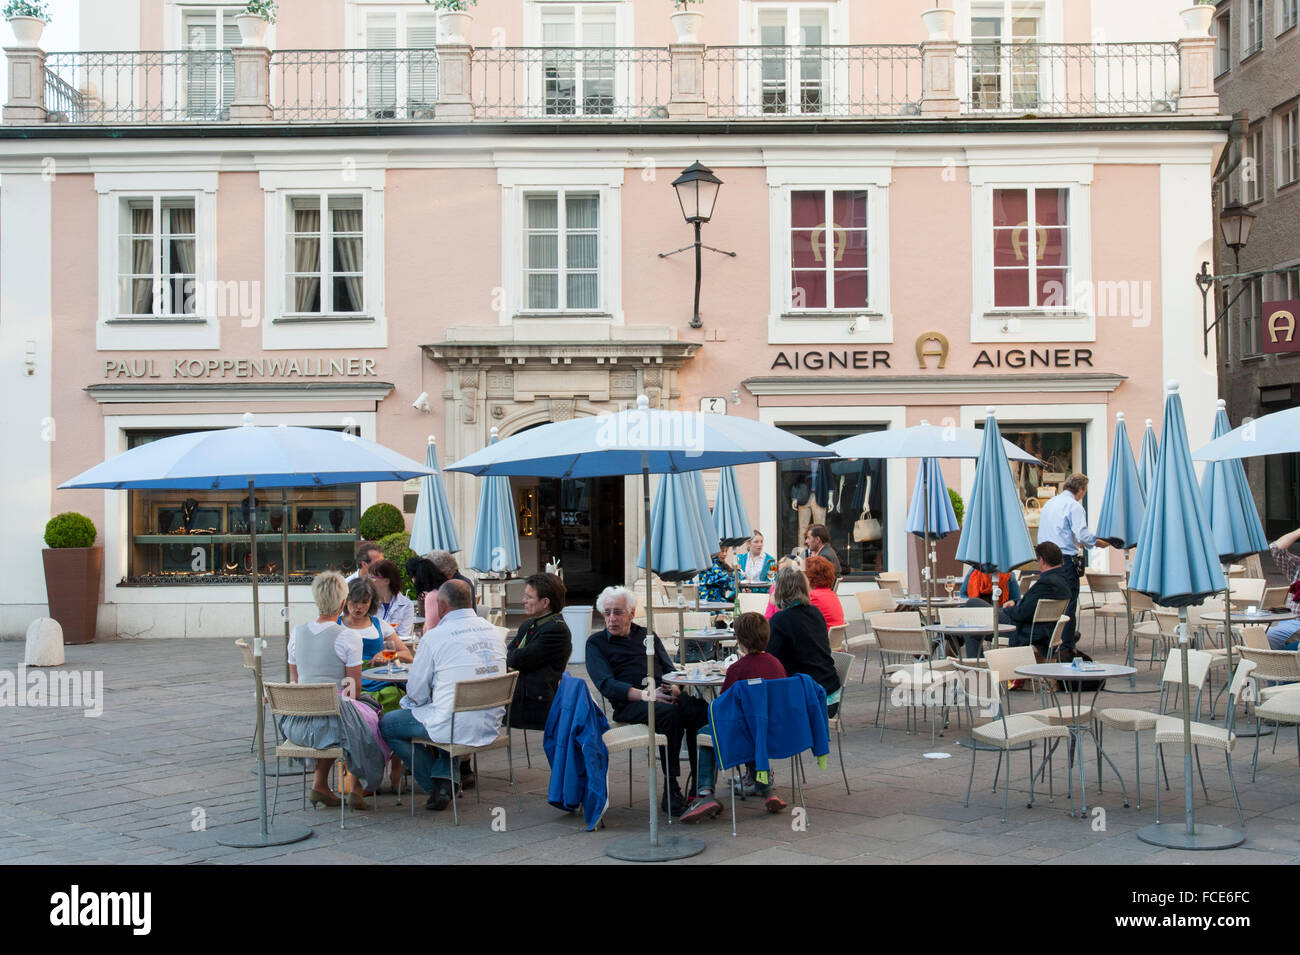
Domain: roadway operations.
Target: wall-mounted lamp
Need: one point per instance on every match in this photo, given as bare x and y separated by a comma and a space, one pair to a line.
697, 193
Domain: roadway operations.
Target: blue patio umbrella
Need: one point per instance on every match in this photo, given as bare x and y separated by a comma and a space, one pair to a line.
729, 515
1146, 462
1233, 517
931, 513
1122, 510
496, 536
251, 457
707, 523
1177, 565
433, 527
644, 441
994, 536
1276, 433
677, 533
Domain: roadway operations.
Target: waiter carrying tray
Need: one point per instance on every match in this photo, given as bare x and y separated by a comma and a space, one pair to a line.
1064, 523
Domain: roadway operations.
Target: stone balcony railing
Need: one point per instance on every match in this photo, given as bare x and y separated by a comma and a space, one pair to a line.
458, 83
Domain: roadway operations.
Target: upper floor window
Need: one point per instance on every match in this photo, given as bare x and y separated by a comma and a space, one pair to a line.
1288, 14
829, 266
1223, 43
794, 71
578, 62
1288, 143
1252, 166
157, 271
1031, 248
326, 272
562, 251
1004, 57
208, 33
1252, 37
398, 83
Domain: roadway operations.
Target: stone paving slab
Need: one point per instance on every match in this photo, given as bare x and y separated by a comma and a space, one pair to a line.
167, 764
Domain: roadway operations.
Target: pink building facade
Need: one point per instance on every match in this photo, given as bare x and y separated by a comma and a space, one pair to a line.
1000, 206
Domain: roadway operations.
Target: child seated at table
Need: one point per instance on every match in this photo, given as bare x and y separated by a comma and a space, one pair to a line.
752, 633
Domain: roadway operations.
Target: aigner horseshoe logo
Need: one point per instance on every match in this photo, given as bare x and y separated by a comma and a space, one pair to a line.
818, 240
1281, 322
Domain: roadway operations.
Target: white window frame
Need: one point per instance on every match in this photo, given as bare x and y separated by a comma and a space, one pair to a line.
1287, 131
835, 85
624, 73
871, 325
1051, 29
1288, 15
283, 329
197, 331
174, 38
327, 268
354, 17
516, 183
1252, 28
1073, 323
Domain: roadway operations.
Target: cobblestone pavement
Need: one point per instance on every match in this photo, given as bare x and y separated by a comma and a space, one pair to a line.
172, 747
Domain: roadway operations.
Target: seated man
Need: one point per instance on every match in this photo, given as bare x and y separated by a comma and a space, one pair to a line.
463, 646
616, 663
755, 663
1284, 635
1052, 584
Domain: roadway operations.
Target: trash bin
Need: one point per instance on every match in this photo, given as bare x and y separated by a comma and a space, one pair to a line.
579, 620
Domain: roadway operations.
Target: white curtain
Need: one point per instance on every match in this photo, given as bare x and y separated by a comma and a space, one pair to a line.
182, 249
306, 259
348, 255
142, 261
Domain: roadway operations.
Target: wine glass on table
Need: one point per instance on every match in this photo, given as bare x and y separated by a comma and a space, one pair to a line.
950, 584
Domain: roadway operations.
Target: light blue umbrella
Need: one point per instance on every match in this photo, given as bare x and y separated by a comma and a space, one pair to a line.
1122, 510
1146, 462
1233, 517
931, 514
251, 457
706, 516
433, 527
496, 536
677, 533
645, 441
1177, 565
1276, 433
924, 440
729, 515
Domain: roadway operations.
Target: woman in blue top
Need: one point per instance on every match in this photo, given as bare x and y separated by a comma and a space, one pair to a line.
757, 567
359, 615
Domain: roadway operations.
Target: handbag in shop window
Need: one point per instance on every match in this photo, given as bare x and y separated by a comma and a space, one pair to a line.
866, 528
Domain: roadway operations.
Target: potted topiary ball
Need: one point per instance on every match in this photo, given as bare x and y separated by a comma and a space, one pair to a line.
380, 520
73, 566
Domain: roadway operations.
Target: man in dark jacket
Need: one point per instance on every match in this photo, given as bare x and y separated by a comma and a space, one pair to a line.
540, 651
616, 663
1052, 584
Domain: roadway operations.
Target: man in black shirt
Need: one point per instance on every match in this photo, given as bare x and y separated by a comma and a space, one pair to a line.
616, 663
1052, 584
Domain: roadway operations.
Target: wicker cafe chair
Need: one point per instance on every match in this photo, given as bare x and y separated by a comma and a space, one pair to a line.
1169, 732
1139, 721
753, 603
906, 658
1105, 603
1245, 591
251, 667
836, 636
1278, 709
843, 661
304, 699
1274, 598
473, 696
977, 687
631, 738
871, 603
1161, 632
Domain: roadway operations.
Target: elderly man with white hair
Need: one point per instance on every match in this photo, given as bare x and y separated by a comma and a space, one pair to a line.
616, 663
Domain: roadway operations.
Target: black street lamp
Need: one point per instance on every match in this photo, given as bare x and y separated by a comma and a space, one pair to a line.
697, 193
1235, 222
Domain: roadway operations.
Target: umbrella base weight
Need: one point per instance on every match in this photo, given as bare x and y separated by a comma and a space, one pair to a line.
248, 835
1250, 732
640, 849
1173, 835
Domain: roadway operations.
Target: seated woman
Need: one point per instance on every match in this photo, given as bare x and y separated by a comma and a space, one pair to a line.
821, 581
376, 636
540, 651
427, 578
977, 588
325, 652
395, 608
799, 636
718, 583
755, 566
751, 638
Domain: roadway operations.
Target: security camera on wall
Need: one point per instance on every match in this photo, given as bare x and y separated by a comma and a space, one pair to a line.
421, 403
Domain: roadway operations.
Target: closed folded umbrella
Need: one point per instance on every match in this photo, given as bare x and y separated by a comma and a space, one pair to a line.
729, 515
1177, 566
681, 532
931, 513
1122, 510
496, 536
433, 527
1146, 462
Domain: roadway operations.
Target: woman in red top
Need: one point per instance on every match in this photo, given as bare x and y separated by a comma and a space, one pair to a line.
755, 663
821, 581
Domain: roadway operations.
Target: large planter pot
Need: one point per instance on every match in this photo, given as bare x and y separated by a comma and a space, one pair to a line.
252, 29
1197, 19
27, 30
453, 26
938, 23
688, 25
72, 587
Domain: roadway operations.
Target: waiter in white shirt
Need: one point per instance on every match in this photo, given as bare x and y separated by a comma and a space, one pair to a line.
1064, 523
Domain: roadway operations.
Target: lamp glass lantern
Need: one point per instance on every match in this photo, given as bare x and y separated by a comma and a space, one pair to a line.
1235, 223
697, 192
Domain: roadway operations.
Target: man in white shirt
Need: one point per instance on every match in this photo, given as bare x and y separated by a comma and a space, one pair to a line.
463, 646
368, 553
1064, 522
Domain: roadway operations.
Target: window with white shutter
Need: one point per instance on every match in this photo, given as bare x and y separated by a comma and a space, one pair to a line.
207, 34
401, 72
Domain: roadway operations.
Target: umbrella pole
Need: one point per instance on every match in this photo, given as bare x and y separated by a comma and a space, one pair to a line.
925, 542
1128, 615
1189, 835
284, 560
681, 627
248, 836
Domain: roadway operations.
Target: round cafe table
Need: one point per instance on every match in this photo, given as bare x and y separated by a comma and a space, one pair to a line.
709, 679
388, 673
710, 635
716, 605
1072, 680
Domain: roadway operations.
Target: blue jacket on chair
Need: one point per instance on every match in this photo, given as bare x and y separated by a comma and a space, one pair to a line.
575, 748
761, 720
